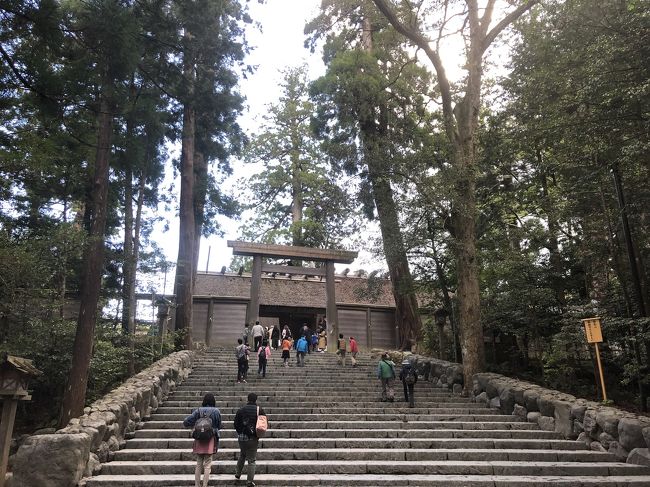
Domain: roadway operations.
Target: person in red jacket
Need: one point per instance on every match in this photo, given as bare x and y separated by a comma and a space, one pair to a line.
354, 351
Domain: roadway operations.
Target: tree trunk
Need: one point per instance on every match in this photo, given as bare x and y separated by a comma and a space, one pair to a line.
185, 260
464, 223
446, 297
128, 250
406, 306
460, 123
615, 252
296, 191
629, 244
200, 194
128, 312
555, 259
133, 266
636, 284
75, 392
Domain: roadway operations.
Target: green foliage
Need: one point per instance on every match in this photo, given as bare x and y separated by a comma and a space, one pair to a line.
49, 344
111, 354
294, 197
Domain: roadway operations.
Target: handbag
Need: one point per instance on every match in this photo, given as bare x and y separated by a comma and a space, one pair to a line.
261, 425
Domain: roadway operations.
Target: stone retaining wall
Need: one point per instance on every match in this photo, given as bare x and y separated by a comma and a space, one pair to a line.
601, 428
63, 458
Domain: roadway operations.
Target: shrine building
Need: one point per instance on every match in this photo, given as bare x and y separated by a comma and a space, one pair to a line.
354, 305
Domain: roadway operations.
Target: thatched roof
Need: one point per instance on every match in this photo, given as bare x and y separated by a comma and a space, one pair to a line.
298, 290
22, 364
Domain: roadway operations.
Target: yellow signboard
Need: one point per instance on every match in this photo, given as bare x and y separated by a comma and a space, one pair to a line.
592, 330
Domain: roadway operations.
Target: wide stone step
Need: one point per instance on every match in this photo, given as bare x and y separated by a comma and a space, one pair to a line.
317, 407
374, 480
270, 407
392, 454
394, 415
384, 419
357, 431
262, 387
290, 442
307, 430
290, 374
307, 404
362, 368
394, 437
353, 467
305, 390
180, 413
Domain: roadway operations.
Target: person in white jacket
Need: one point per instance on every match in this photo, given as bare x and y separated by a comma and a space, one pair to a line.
258, 335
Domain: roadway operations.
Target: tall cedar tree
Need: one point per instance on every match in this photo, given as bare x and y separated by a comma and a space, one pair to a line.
369, 104
212, 45
295, 198
106, 29
460, 125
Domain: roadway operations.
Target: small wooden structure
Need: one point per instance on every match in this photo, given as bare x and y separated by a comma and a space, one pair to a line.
15, 374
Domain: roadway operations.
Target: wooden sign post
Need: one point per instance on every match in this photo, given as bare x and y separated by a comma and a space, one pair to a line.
595, 335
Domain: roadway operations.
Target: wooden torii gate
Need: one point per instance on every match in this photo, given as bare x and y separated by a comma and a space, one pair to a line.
329, 257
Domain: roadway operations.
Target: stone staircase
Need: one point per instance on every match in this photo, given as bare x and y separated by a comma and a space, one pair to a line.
328, 427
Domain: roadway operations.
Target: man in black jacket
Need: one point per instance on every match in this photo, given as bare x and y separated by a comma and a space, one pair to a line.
245, 422
409, 377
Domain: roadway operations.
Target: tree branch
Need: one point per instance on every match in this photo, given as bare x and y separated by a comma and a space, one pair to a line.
423, 43
22, 80
507, 20
487, 17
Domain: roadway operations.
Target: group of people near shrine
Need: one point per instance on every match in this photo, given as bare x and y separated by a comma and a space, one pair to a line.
260, 341
316, 339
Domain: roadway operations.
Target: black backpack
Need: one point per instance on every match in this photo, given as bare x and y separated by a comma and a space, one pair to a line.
410, 376
203, 428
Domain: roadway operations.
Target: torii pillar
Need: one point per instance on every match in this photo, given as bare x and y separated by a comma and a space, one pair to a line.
327, 256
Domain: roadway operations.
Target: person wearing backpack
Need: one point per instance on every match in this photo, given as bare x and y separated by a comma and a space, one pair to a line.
245, 425
409, 377
241, 353
341, 348
263, 355
386, 374
206, 423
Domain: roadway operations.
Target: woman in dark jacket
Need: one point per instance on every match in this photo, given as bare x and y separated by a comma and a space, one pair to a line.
408, 376
204, 449
275, 338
